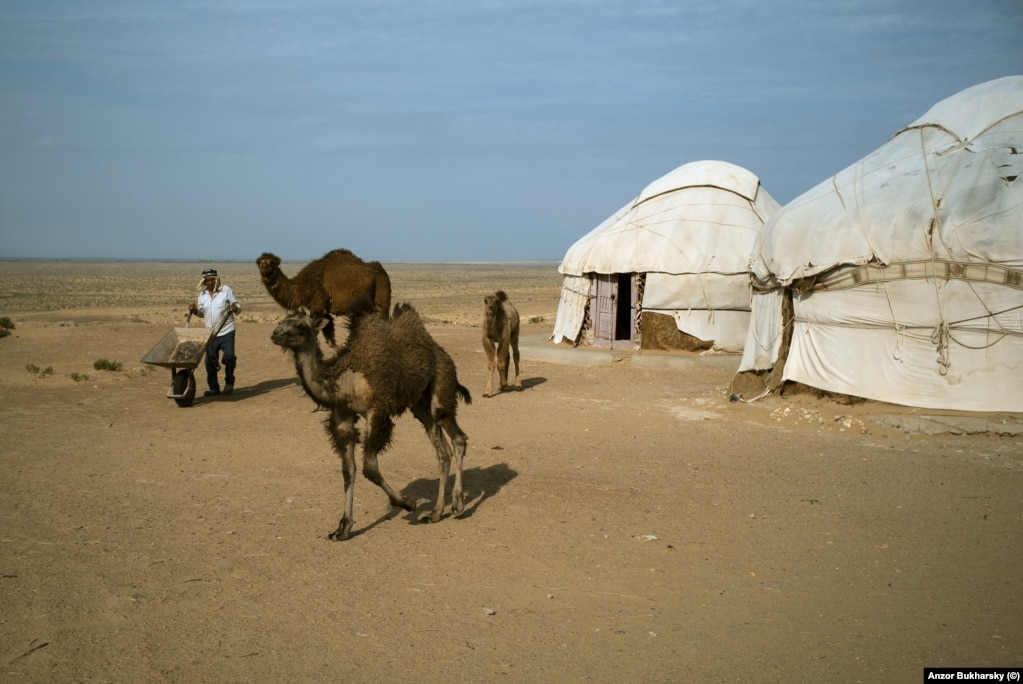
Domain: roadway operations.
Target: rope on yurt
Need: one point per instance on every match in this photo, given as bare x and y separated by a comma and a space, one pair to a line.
940, 335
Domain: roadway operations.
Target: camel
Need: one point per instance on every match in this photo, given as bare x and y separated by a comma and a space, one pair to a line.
383, 367
500, 332
336, 283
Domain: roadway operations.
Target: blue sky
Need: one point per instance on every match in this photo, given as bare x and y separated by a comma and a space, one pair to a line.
440, 130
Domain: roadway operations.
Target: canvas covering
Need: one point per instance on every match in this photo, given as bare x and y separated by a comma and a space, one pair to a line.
906, 268
691, 232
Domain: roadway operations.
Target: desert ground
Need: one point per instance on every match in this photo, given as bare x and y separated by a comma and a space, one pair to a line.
625, 521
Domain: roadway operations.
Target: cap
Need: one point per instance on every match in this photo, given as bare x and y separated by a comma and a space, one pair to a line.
209, 273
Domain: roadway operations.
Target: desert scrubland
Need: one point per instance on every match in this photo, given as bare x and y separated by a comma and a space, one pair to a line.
624, 522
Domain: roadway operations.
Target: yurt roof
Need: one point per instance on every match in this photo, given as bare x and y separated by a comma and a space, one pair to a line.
945, 187
702, 217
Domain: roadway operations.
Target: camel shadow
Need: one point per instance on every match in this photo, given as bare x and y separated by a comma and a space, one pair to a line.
391, 515
530, 383
478, 485
527, 384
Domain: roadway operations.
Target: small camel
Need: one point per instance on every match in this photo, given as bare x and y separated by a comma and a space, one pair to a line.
383, 367
336, 283
500, 332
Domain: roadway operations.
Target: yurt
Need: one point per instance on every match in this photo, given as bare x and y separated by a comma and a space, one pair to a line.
669, 270
900, 279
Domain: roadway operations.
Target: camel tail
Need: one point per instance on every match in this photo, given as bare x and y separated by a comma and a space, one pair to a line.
463, 392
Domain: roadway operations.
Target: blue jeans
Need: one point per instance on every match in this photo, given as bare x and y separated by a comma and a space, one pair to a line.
223, 343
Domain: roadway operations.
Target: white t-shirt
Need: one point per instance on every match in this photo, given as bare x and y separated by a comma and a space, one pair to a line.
213, 308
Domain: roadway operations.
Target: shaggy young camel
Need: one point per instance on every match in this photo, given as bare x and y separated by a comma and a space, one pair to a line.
500, 332
336, 283
383, 367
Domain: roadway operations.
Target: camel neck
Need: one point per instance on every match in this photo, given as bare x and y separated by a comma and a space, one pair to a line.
307, 363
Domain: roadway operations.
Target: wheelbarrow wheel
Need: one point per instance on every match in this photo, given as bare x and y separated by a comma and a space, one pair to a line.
184, 387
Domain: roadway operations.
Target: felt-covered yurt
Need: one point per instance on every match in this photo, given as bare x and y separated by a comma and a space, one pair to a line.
669, 270
900, 279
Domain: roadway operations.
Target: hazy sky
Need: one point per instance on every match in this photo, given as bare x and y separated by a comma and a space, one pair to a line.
441, 129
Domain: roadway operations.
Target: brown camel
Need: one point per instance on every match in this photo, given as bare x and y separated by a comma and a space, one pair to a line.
383, 367
333, 284
500, 332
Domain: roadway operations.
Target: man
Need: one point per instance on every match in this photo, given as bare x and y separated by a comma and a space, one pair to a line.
217, 305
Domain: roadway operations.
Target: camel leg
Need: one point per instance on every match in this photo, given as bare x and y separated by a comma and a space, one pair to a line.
440, 444
459, 441
342, 433
378, 436
488, 347
515, 357
502, 363
433, 431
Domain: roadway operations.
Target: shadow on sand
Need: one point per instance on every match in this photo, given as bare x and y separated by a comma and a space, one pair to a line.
243, 392
478, 484
527, 384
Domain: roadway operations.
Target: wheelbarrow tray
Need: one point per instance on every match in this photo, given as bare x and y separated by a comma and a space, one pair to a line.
180, 348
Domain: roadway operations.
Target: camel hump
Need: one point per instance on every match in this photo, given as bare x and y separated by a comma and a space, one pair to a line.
501, 296
402, 308
341, 253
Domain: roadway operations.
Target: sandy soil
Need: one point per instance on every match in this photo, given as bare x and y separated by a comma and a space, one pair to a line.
625, 523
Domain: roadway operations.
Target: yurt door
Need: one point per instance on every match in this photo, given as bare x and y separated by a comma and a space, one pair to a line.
614, 315
604, 297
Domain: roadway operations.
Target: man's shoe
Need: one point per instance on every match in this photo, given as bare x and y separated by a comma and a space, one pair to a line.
228, 388
211, 393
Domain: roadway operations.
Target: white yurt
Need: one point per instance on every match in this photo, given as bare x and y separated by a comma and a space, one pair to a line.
670, 268
900, 279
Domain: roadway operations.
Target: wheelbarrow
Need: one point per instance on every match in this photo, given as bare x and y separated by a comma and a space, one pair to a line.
182, 350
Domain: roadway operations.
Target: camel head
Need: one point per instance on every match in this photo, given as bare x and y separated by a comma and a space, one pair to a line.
268, 264
299, 328
492, 302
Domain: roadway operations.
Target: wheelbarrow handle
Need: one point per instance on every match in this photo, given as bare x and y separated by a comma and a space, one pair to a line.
223, 321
